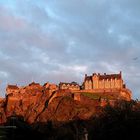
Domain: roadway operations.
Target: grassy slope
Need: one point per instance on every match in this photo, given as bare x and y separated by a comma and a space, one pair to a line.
96, 96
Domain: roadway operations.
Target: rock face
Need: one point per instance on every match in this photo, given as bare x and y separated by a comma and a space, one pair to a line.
36, 103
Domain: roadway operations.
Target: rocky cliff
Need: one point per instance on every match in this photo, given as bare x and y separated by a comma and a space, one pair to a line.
36, 103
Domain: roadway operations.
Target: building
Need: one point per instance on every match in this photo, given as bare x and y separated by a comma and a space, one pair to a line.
105, 81
71, 86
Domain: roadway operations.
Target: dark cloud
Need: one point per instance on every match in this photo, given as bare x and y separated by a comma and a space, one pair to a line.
50, 40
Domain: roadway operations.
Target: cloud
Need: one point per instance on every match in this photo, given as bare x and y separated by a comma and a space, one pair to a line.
62, 40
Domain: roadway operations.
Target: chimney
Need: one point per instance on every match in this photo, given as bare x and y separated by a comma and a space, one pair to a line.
85, 75
104, 73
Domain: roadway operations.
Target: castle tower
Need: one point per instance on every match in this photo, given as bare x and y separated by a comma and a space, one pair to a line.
95, 79
88, 82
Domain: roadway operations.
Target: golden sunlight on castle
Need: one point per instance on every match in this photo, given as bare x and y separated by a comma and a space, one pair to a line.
98, 81
110, 84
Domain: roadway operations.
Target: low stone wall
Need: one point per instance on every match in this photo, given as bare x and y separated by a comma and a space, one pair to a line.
123, 93
97, 90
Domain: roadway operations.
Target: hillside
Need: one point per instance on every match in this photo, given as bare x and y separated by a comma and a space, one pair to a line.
37, 103
37, 111
120, 122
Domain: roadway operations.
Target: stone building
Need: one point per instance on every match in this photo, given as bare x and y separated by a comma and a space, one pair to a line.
105, 81
71, 86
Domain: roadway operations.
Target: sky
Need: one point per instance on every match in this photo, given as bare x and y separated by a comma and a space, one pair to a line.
62, 40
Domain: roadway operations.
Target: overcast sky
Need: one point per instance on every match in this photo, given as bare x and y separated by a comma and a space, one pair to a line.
61, 40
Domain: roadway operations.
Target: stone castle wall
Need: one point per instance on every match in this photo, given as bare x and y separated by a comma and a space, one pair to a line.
97, 81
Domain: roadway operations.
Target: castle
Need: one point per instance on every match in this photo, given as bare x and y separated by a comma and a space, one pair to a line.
106, 81
100, 89
96, 82
110, 84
